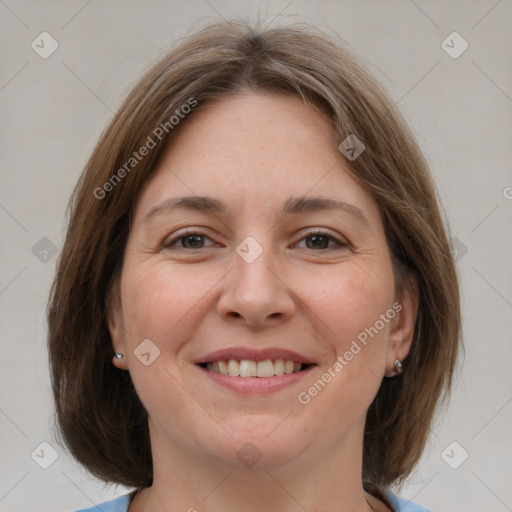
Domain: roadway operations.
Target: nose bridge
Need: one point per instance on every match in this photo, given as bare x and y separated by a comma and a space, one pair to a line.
253, 274
254, 290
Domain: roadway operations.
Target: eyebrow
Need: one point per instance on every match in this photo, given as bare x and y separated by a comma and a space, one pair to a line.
297, 205
293, 205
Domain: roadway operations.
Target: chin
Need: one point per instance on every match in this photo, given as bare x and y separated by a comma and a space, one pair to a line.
260, 441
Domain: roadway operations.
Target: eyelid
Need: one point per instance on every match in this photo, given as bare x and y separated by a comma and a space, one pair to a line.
190, 231
342, 243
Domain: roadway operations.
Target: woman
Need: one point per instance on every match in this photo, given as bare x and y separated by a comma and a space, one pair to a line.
256, 306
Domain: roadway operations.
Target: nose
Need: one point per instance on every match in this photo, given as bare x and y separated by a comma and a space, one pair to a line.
255, 293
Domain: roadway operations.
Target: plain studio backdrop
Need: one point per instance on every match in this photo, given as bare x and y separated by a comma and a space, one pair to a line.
66, 66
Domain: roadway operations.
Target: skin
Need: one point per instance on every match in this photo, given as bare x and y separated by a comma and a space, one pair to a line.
252, 151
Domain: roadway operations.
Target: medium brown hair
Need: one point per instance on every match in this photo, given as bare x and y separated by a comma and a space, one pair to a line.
98, 412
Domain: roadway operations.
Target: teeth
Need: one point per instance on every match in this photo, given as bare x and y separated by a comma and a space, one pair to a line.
288, 366
249, 368
233, 368
223, 367
279, 367
246, 368
265, 368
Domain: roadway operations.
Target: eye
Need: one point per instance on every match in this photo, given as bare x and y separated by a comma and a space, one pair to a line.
318, 239
193, 239
188, 239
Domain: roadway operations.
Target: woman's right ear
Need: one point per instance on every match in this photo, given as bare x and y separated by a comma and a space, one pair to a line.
116, 328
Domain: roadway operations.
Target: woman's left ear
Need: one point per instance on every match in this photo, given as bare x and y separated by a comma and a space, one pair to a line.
402, 329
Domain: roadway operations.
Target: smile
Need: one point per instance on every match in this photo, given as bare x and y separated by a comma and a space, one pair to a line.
248, 368
255, 370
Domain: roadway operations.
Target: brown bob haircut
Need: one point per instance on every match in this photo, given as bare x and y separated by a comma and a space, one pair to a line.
98, 412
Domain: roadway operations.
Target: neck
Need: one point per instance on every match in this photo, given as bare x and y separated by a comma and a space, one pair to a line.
320, 477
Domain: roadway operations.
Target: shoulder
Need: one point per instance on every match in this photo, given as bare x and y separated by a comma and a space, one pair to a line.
401, 505
116, 505
121, 505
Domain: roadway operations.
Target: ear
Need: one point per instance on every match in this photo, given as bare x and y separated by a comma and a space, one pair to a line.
116, 326
402, 327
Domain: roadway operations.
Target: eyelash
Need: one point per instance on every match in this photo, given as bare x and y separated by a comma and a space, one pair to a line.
314, 232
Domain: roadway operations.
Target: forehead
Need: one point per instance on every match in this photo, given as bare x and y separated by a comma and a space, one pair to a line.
269, 127
253, 150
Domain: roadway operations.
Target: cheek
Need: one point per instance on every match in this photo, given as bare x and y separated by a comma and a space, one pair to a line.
350, 303
351, 299
160, 300
164, 303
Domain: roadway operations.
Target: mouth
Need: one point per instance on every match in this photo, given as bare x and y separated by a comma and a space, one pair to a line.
250, 368
246, 370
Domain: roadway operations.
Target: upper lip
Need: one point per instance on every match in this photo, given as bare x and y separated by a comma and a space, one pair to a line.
252, 354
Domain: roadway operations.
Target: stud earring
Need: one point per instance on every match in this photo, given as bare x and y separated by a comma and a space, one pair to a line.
399, 368
119, 355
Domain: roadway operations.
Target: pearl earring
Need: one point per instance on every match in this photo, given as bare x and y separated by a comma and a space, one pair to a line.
119, 355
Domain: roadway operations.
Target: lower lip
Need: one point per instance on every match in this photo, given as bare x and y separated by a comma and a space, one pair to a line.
256, 384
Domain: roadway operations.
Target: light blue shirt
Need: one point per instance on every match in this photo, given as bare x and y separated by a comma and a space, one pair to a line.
121, 505
401, 505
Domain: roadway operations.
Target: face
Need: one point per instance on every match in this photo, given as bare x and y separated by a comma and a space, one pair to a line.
277, 259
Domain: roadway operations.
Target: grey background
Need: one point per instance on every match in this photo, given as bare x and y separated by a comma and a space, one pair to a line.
54, 109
